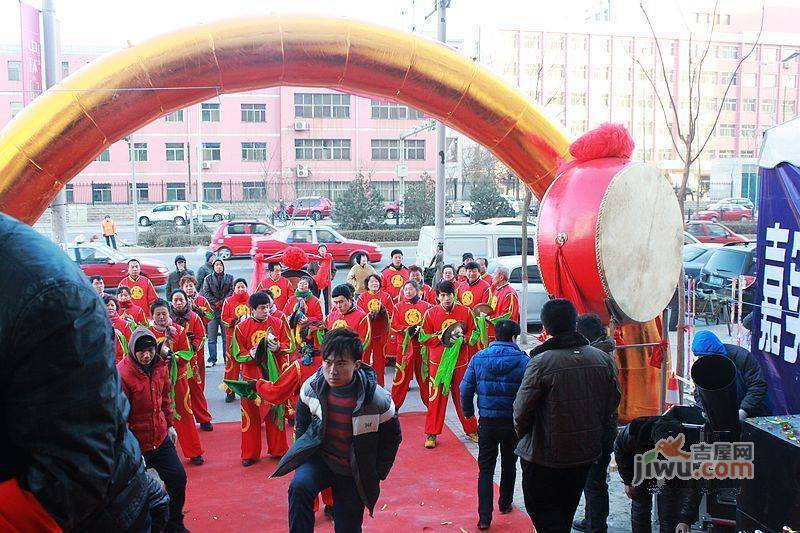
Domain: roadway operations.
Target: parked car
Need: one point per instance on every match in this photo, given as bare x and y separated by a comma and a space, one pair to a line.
729, 262
695, 257
479, 239
313, 207
712, 232
744, 202
211, 213
392, 209
502, 221
688, 238
175, 212
235, 237
308, 238
95, 258
537, 295
723, 211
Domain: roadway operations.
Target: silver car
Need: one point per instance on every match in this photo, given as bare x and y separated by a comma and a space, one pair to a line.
537, 295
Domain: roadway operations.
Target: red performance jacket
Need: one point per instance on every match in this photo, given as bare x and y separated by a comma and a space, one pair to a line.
142, 292
393, 280
313, 308
355, 319
281, 290
132, 312
472, 294
437, 319
249, 332
151, 407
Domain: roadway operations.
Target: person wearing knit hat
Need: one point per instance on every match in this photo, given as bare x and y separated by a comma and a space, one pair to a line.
205, 269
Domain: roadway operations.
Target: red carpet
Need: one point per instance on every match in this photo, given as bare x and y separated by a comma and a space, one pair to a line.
224, 496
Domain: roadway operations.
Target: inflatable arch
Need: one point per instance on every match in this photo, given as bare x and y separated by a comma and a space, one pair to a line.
64, 129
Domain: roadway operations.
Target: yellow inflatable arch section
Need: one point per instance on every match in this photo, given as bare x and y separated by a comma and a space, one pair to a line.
64, 129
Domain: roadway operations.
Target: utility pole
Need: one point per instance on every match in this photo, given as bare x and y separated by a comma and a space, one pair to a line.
199, 154
58, 208
441, 34
132, 156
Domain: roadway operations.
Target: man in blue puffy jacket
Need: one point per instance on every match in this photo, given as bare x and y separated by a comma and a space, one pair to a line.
495, 374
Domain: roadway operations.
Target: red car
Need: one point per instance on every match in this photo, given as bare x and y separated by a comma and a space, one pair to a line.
235, 237
308, 238
723, 211
392, 209
712, 232
95, 258
313, 207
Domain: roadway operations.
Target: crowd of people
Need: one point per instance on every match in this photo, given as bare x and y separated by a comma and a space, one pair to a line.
291, 363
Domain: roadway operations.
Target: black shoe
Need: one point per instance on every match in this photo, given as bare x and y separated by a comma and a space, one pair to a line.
328, 511
197, 461
483, 525
580, 525
206, 426
248, 462
506, 509
230, 397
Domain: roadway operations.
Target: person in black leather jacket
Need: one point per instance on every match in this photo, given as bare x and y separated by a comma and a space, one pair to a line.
64, 443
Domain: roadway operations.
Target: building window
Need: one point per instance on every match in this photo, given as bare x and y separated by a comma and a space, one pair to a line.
789, 81
139, 152
254, 151
729, 52
580, 72
556, 42
254, 190
624, 100
577, 99
726, 130
212, 152
254, 112
769, 54
723, 20
749, 79
602, 73
531, 41
392, 110
729, 105
14, 70
577, 127
673, 48
749, 104
556, 71
212, 191
579, 44
727, 77
321, 105
101, 193
70, 193
748, 130
708, 77
64, 69
665, 153
175, 152
176, 191
385, 149
789, 107
415, 149
556, 99
605, 98
143, 189
209, 112
16, 107
768, 106
322, 149
105, 156
768, 80
708, 104
747, 153
725, 154
175, 116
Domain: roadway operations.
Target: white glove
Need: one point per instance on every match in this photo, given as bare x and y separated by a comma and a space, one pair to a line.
742, 414
273, 345
172, 434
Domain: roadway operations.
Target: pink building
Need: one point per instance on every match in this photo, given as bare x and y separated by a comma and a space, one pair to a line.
256, 146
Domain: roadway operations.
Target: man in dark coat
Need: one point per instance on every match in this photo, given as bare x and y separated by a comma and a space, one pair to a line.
596, 489
751, 387
561, 414
67, 459
216, 287
205, 269
174, 279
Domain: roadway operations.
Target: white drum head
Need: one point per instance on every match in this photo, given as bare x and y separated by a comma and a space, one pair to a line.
639, 242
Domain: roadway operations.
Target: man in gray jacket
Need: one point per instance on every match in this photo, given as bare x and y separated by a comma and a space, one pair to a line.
562, 413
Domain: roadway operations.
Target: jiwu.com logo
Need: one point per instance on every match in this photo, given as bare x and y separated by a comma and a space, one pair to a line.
668, 460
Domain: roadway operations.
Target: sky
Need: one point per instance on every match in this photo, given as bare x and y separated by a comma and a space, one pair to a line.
114, 22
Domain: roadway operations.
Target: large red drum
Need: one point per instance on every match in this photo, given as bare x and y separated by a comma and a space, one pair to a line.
609, 238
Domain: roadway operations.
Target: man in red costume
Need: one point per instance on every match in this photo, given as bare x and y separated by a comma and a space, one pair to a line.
346, 314
257, 364
395, 275
379, 306
182, 314
484, 264
406, 322
452, 361
277, 285
503, 299
203, 308
173, 339
122, 329
235, 307
426, 292
128, 310
142, 291
474, 291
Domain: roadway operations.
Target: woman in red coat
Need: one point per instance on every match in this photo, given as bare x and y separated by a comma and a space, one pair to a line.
145, 381
122, 329
378, 304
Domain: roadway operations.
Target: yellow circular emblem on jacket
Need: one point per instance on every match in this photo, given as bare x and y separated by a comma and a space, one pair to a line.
397, 281
241, 310
413, 317
137, 293
467, 297
276, 291
374, 304
493, 302
339, 324
256, 337
447, 323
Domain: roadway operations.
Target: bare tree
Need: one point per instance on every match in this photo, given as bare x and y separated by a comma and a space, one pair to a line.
684, 125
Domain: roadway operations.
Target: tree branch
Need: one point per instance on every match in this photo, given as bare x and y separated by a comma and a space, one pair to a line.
660, 104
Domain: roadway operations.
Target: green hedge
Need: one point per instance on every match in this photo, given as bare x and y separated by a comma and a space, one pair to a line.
171, 237
383, 235
742, 228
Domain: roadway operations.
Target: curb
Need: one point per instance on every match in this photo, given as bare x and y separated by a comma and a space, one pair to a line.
192, 249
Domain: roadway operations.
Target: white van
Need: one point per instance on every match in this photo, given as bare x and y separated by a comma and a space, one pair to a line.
480, 240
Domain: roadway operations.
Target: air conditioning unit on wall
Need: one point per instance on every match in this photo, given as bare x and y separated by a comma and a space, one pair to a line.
301, 171
206, 164
299, 125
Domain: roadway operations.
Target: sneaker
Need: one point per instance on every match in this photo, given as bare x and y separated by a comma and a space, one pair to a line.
248, 462
230, 397
206, 426
209, 364
197, 461
580, 525
473, 437
328, 511
483, 525
430, 441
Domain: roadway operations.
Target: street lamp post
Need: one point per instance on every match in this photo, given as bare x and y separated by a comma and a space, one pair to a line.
401, 169
132, 155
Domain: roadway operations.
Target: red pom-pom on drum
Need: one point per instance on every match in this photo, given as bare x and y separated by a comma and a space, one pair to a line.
609, 238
